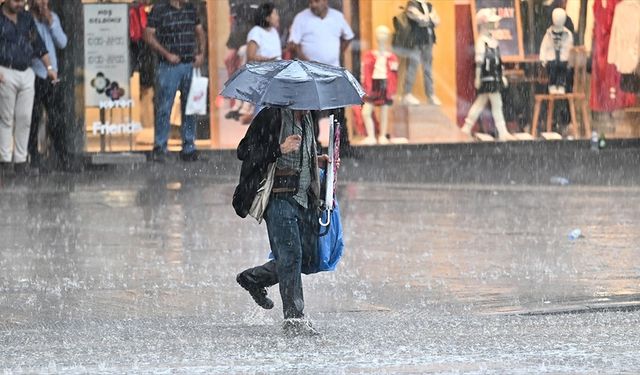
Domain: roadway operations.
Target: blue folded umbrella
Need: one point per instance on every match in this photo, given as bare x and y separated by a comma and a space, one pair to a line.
331, 245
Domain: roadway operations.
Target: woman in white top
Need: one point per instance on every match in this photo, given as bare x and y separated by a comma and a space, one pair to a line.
263, 41
263, 44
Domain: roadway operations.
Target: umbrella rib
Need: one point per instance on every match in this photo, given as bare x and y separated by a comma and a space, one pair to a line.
314, 83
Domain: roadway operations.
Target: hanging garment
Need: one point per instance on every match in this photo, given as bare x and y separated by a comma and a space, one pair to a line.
606, 95
624, 44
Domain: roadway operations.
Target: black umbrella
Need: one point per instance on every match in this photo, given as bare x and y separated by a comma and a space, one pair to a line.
294, 84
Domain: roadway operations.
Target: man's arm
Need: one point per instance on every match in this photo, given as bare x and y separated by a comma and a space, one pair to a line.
435, 17
295, 39
344, 44
52, 74
346, 36
57, 33
151, 40
201, 39
296, 51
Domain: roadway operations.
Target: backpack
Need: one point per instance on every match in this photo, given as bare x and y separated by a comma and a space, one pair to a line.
401, 31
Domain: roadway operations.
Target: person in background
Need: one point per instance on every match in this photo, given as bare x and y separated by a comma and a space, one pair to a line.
263, 41
20, 42
322, 34
242, 17
423, 20
48, 98
175, 32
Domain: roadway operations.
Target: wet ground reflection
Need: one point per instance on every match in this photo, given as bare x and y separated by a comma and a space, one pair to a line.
93, 271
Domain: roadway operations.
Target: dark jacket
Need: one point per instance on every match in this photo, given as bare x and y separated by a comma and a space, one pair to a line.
422, 35
259, 147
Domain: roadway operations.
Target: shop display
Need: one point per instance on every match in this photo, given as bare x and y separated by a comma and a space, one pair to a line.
606, 94
624, 44
380, 78
554, 52
489, 79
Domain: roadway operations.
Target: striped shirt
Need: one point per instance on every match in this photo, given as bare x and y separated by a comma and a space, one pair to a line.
176, 29
307, 147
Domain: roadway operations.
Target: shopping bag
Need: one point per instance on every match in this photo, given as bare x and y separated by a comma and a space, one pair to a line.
331, 244
197, 98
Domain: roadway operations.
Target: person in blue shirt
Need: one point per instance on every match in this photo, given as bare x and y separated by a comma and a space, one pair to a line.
19, 44
47, 95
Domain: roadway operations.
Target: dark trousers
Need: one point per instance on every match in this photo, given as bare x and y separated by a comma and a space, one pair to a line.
339, 114
293, 236
47, 98
558, 72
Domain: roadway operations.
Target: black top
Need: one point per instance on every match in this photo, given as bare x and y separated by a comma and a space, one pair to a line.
19, 42
491, 71
176, 29
259, 147
422, 35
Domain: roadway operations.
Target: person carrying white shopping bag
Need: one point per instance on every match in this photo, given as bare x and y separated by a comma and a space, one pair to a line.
197, 98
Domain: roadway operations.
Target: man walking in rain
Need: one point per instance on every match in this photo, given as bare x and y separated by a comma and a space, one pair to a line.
284, 137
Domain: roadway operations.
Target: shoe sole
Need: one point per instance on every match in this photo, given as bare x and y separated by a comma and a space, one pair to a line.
268, 305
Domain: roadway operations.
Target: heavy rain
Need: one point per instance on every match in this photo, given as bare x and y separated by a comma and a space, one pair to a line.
473, 240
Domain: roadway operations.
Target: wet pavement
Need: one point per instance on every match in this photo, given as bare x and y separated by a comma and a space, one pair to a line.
132, 271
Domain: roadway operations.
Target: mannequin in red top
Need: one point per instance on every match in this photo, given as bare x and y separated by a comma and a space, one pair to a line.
380, 81
606, 95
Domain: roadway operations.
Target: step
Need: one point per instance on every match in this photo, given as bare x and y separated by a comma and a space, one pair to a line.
424, 123
109, 158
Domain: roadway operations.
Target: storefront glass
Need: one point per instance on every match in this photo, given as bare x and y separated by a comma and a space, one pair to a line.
597, 97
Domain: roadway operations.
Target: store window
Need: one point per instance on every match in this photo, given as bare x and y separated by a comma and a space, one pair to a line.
435, 83
119, 80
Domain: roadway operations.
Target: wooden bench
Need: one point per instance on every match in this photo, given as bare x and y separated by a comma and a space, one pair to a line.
578, 60
573, 99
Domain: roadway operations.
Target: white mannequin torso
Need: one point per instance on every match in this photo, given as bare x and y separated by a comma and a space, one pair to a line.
380, 68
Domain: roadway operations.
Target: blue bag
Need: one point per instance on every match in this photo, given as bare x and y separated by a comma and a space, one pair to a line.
331, 245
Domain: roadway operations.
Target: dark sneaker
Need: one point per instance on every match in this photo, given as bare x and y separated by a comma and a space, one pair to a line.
6, 170
298, 327
193, 156
258, 294
23, 169
159, 156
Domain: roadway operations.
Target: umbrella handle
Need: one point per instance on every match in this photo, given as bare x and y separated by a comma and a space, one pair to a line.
325, 224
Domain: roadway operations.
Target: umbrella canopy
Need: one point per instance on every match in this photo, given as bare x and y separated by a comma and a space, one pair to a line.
294, 84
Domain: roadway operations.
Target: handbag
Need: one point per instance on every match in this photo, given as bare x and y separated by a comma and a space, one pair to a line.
197, 98
261, 200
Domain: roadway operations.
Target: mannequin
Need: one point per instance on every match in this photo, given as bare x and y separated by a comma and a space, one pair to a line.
488, 78
380, 78
554, 52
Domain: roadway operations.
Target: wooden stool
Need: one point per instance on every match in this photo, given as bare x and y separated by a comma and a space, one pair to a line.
572, 98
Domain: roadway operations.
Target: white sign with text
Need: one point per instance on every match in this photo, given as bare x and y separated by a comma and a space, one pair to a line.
106, 53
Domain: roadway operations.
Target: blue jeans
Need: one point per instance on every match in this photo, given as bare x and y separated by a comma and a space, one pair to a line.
293, 236
170, 79
420, 55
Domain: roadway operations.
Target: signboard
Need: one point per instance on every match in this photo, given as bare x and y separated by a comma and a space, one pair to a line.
106, 53
509, 31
